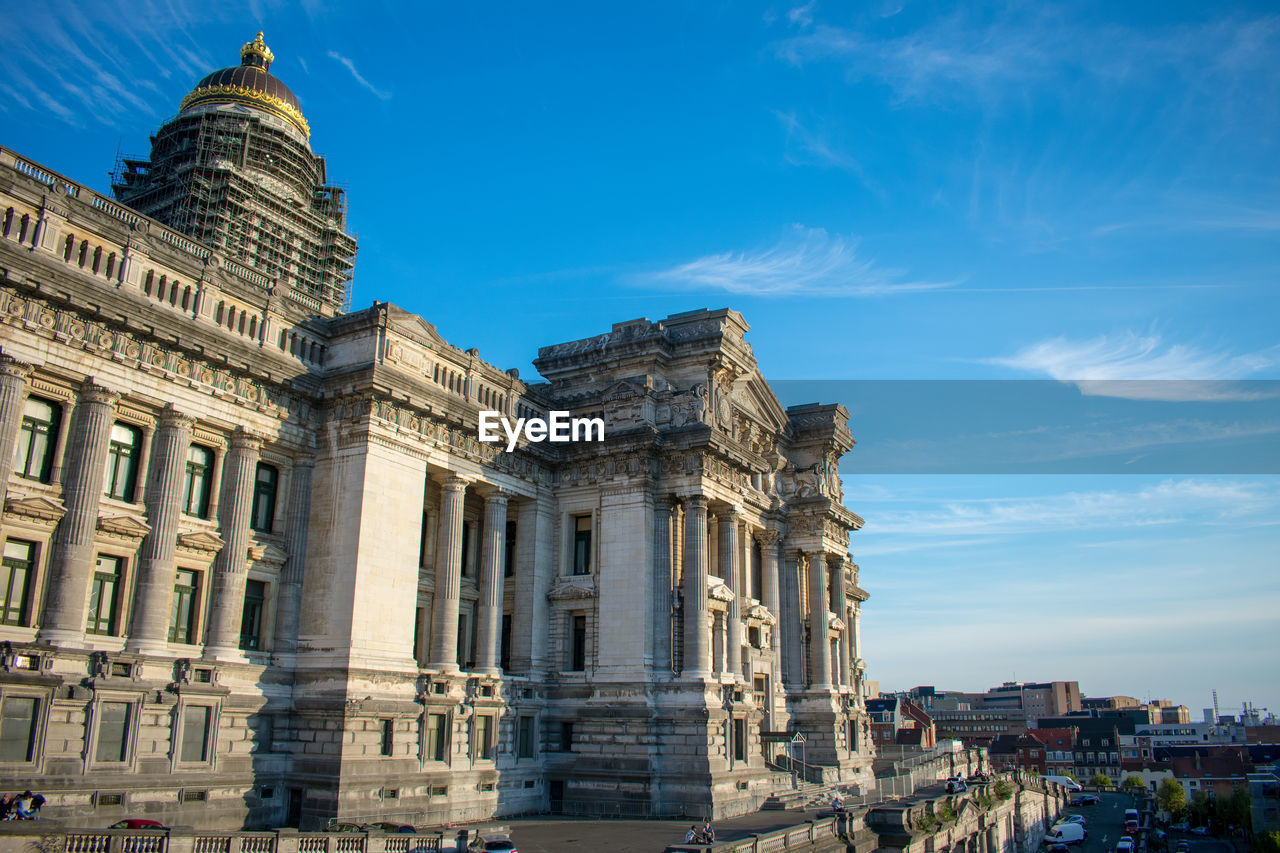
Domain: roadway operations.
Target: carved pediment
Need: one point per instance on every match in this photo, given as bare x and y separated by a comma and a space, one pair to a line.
268, 554
201, 540
760, 613
124, 526
570, 589
719, 592
835, 623
35, 507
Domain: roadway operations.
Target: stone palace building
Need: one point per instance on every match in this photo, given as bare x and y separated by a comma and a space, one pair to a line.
259, 570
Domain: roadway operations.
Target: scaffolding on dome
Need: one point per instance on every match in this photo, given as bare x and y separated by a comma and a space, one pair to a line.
249, 191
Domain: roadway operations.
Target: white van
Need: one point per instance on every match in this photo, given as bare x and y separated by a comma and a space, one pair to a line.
1066, 782
1066, 833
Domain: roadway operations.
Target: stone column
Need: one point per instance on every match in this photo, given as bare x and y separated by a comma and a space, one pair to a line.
731, 571
662, 585
489, 614
842, 610
448, 593
13, 398
71, 564
771, 595
231, 568
697, 639
819, 646
149, 632
289, 599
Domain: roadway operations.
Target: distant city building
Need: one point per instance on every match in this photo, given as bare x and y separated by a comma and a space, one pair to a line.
1059, 745
897, 720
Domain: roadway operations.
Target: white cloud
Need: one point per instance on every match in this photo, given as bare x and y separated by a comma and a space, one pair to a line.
1144, 367
802, 16
806, 261
351, 66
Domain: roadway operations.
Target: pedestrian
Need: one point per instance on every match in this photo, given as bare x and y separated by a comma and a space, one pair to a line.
837, 804
36, 802
708, 834
692, 836
22, 808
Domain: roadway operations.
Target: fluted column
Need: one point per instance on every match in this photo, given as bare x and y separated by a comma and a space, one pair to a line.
231, 568
819, 645
771, 595
731, 571
444, 604
149, 632
842, 610
13, 398
662, 585
489, 612
289, 601
72, 561
697, 637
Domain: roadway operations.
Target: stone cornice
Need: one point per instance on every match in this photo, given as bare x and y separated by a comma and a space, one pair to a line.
35, 507
128, 527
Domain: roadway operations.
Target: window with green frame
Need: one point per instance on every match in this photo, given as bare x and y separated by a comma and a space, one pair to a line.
103, 595
19, 725
198, 483
19, 569
182, 610
123, 454
265, 482
33, 455
255, 596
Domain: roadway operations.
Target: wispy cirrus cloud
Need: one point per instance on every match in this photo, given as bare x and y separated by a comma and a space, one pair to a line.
806, 147
1144, 367
806, 261
351, 66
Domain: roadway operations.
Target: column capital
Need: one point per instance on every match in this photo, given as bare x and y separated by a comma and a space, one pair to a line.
695, 501
171, 417
244, 439
765, 536
10, 367
729, 512
92, 392
452, 482
494, 494
663, 502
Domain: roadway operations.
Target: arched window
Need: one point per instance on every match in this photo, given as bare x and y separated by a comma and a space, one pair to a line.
123, 454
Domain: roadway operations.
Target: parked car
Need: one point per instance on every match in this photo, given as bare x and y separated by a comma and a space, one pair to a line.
956, 785
979, 777
494, 844
1067, 833
137, 823
1085, 800
1071, 818
344, 827
391, 826
1124, 845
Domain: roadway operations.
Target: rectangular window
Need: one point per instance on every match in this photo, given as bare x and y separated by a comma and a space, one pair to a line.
524, 738
262, 514
509, 560
465, 559
739, 739
255, 596
19, 569
33, 455
483, 747
582, 545
195, 733
388, 737
757, 572
504, 643
182, 610
103, 594
578, 645
566, 736
113, 732
18, 721
199, 481
122, 462
437, 737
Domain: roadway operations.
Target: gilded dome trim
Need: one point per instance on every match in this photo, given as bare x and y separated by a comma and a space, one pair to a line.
251, 96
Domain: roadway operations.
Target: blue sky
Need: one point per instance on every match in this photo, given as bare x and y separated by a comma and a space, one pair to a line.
886, 190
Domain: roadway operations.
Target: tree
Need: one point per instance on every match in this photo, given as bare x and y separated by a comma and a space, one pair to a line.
1133, 782
1268, 842
1100, 780
1171, 797
1237, 810
1199, 808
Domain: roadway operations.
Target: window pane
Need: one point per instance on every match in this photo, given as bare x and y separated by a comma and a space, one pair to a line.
19, 568
195, 495
102, 596
255, 594
33, 455
195, 732
122, 462
582, 545
182, 613
264, 498
18, 728
113, 730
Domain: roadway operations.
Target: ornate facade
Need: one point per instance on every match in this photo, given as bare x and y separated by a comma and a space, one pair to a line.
259, 569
